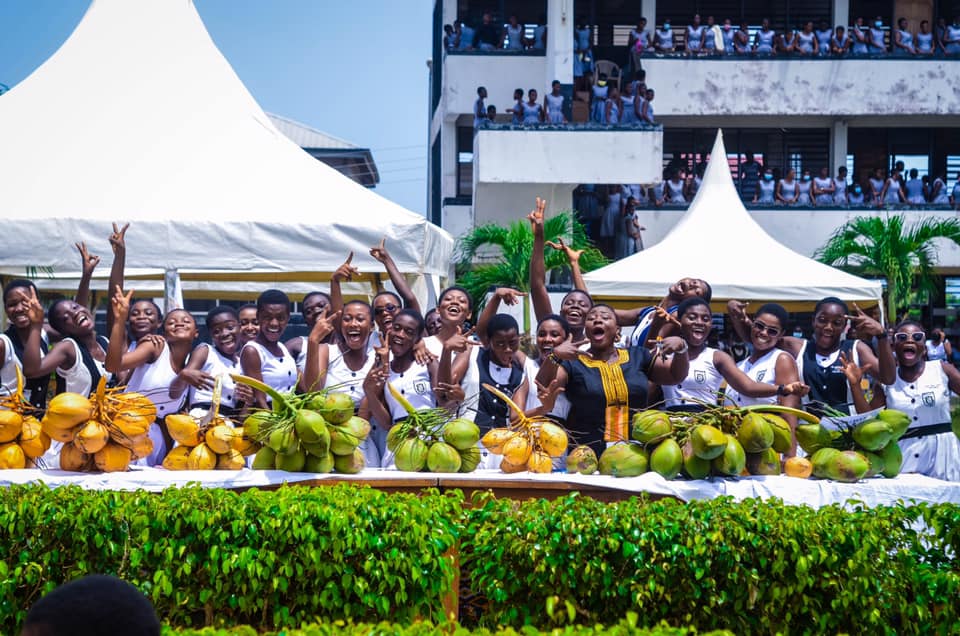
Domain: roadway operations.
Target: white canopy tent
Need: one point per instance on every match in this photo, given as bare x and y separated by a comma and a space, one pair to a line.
718, 241
138, 117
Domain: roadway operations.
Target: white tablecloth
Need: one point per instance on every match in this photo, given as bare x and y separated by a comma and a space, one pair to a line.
811, 492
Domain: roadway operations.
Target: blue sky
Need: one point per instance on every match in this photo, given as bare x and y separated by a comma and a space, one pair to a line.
355, 69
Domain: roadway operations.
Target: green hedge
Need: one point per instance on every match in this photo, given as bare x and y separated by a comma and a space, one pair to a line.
277, 559
622, 628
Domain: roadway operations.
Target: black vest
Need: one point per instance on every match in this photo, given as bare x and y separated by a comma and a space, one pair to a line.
37, 387
491, 410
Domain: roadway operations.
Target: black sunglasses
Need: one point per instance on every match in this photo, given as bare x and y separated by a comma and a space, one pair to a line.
917, 336
388, 308
773, 332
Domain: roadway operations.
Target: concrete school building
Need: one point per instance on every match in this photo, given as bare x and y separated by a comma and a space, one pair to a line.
789, 112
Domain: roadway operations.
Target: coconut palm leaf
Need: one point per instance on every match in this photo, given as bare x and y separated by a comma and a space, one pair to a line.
886, 246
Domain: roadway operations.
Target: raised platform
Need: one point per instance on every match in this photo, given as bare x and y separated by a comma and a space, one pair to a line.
810, 492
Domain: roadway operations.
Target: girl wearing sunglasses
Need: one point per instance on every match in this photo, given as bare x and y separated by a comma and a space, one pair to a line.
768, 363
921, 390
818, 358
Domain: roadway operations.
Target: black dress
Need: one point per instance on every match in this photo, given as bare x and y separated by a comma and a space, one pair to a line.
602, 395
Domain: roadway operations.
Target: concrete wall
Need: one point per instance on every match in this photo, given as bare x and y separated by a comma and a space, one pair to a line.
457, 219
568, 156
500, 74
794, 87
804, 231
504, 203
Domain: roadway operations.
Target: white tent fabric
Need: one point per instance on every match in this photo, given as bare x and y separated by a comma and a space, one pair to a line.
718, 241
138, 117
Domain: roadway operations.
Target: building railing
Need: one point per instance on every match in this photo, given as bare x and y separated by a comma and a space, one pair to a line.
570, 126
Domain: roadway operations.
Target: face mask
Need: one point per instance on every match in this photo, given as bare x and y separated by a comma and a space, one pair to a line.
806, 177
857, 190
666, 27
768, 177
878, 24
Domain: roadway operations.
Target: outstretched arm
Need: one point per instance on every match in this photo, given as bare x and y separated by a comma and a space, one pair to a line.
88, 263
538, 269
737, 312
573, 257
751, 388
503, 294
399, 282
119, 246
318, 357
344, 272
61, 355
118, 358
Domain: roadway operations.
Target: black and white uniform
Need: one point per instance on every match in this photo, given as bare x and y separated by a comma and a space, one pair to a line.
929, 447
701, 385
764, 370
492, 412
216, 365
153, 381
278, 372
415, 386
824, 375
351, 383
34, 389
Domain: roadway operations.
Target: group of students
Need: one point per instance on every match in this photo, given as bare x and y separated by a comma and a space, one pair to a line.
490, 36
592, 366
805, 40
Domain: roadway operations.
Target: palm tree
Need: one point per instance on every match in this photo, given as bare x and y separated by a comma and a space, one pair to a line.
514, 245
885, 246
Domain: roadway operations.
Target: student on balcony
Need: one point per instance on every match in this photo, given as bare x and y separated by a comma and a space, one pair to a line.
727, 36
860, 37
673, 189
646, 110
824, 38
582, 53
840, 42
787, 188
532, 111
766, 190
709, 46
553, 104
877, 45
876, 186
914, 189
892, 193
741, 39
512, 37
663, 39
517, 110
903, 40
629, 102
807, 40
488, 34
613, 107
638, 43
598, 95
539, 42
765, 40
694, 42
925, 44
855, 196
823, 188
951, 38
840, 186
465, 36
804, 189
787, 42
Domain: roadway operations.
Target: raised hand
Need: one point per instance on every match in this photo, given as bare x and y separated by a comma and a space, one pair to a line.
34, 308
421, 354
346, 271
383, 351
376, 379
864, 324
325, 325
568, 349
88, 261
120, 304
572, 255
796, 388
450, 392
154, 339
118, 239
671, 345
536, 217
508, 295
850, 369
380, 251
548, 395
666, 316
459, 342
737, 308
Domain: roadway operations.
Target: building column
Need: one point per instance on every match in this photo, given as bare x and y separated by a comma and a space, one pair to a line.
838, 145
559, 52
648, 9
841, 13
449, 11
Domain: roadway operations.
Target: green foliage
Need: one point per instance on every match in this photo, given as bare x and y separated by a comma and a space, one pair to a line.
272, 558
883, 246
622, 628
514, 244
751, 567
316, 556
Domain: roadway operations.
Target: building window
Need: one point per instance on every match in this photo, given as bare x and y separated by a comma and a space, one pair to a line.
464, 161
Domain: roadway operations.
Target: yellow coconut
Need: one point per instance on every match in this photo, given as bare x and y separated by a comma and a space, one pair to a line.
11, 424
71, 408
64, 435
517, 450
539, 462
177, 458
553, 439
33, 440
202, 458
508, 467
219, 438
91, 437
798, 467
133, 403
131, 424
141, 447
184, 429
243, 444
113, 458
495, 438
73, 459
11, 456
231, 460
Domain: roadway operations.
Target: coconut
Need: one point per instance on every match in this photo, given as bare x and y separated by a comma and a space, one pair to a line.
798, 467
892, 459
813, 437
12, 456
755, 433
177, 458
254, 422
113, 458
782, 433
898, 420
244, 445
582, 460
821, 461
342, 442
183, 429
553, 439
694, 466
394, 436
231, 460
624, 460
461, 433
469, 459
91, 437
510, 468
708, 441
650, 426
873, 435
443, 458
848, 467
219, 438
337, 408
494, 439
733, 459
517, 450
349, 464
311, 427
33, 440
11, 425
201, 458
539, 462
283, 441
74, 459
264, 459
70, 409
318, 464
766, 462
141, 446
875, 463
290, 462
64, 435
411, 455
667, 459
